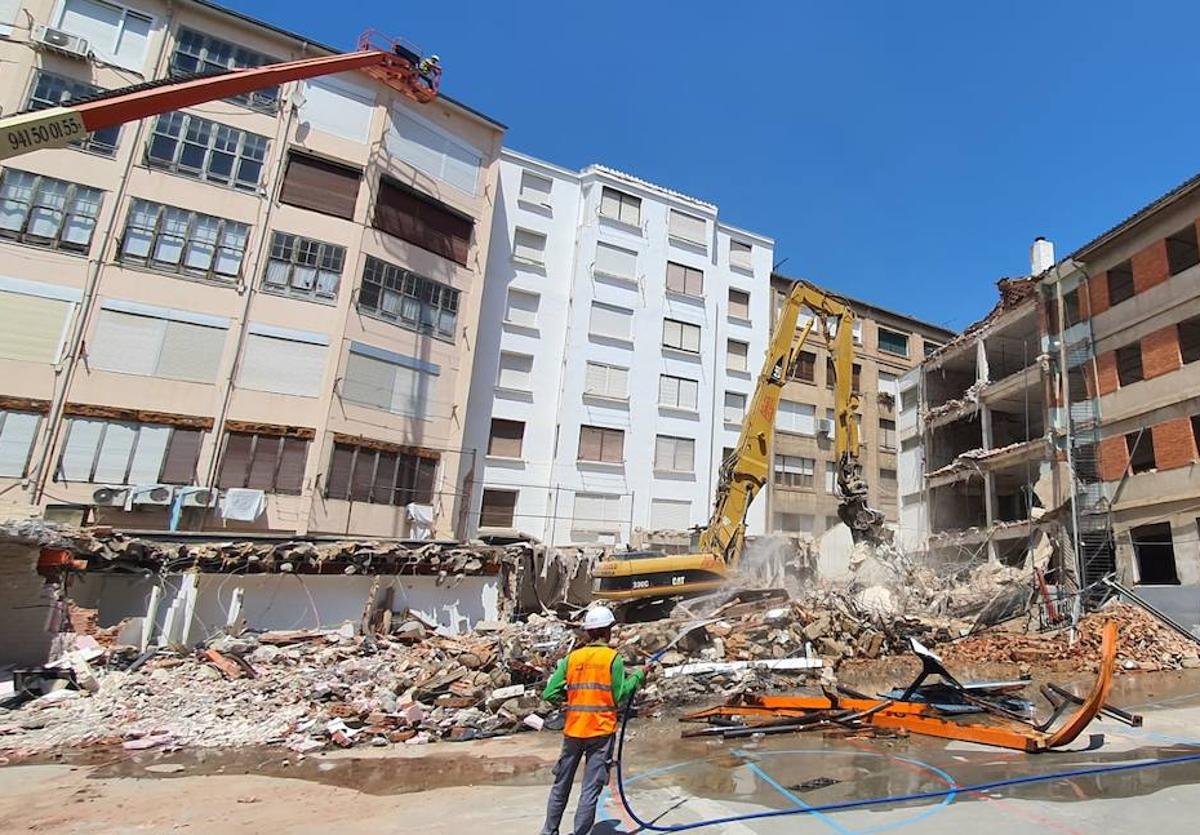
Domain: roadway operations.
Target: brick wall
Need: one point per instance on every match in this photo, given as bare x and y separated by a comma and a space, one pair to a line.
1098, 293
1114, 458
1150, 266
1160, 352
1106, 372
1173, 444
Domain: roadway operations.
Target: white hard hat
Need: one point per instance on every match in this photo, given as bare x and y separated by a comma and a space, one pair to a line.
598, 617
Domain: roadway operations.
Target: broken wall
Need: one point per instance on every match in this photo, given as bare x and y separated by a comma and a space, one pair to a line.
32, 611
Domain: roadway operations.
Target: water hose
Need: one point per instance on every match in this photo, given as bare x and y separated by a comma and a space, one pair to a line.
872, 801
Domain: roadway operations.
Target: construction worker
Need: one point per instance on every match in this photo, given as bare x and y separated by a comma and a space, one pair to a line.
593, 679
427, 67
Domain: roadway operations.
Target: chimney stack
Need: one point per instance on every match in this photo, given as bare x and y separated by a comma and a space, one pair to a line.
1041, 256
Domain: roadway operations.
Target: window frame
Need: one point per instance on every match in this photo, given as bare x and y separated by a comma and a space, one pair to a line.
138, 426
677, 382
429, 302
802, 477
537, 236
483, 505
614, 308
325, 255
731, 313
1129, 371
885, 348
679, 444
500, 367
886, 433
156, 235
674, 235
738, 263
126, 12
687, 274
608, 369
72, 90
525, 198
37, 428
608, 435
266, 100
1188, 334
36, 186
804, 359
262, 440
1146, 461
684, 329
741, 415
1124, 287
1183, 250
250, 149
745, 369
623, 198
510, 423
407, 465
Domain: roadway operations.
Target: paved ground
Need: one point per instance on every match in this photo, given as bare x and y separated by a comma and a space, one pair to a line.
499, 786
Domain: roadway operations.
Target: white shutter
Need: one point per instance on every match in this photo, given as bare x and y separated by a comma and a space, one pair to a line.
797, 417
369, 381
407, 396
114, 453
672, 333
691, 338
735, 355
8, 14
595, 379
514, 371
668, 390
687, 227
126, 342
148, 455
435, 154
283, 366
595, 512
16, 438
79, 451
337, 105
613, 260
32, 327
522, 308
735, 407
739, 255
618, 382
614, 322
889, 384
98, 22
689, 391
191, 352
830, 477
135, 38
670, 514
529, 246
535, 188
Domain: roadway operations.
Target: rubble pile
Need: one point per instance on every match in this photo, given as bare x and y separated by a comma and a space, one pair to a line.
1143, 643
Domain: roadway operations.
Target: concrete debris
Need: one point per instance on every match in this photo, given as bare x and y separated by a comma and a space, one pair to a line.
970, 398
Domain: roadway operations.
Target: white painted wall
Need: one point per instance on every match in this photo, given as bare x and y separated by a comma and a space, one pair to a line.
548, 477
914, 516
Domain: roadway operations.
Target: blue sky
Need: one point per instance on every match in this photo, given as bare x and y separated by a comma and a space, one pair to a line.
904, 153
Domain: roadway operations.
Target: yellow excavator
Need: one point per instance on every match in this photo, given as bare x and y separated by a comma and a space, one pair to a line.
645, 576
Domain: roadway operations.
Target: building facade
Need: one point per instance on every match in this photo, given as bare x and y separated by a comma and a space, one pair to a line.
622, 329
273, 293
802, 493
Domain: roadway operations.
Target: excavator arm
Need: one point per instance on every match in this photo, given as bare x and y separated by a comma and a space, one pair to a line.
746, 470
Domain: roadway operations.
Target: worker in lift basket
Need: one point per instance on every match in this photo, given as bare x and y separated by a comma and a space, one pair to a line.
428, 66
593, 679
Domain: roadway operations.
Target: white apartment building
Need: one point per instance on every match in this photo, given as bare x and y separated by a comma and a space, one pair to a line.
621, 332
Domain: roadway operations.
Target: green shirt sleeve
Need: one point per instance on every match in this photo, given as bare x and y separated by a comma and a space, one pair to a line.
556, 687
624, 686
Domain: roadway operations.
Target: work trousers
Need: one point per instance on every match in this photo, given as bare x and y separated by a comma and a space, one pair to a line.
598, 751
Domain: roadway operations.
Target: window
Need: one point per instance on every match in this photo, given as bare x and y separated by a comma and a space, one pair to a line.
186, 144
497, 508
515, 372
609, 381
931, 348
831, 469
831, 375
891, 342
739, 255
118, 452
678, 392
1154, 551
596, 512
321, 186
739, 304
1120, 282
805, 369
674, 455
1129, 364
616, 262
887, 434
383, 475
794, 523
670, 515
411, 216
610, 322
259, 461
601, 444
735, 407
736, 355
115, 34
687, 227
50, 90
179, 241
432, 150
535, 189
505, 438
793, 471
304, 268
282, 362
198, 53
681, 336
1182, 251
336, 105
47, 212
1140, 446
687, 281
619, 206
796, 417
887, 482
157, 342
889, 384
1189, 340
406, 299
17, 433
1072, 312
521, 308
384, 380
529, 247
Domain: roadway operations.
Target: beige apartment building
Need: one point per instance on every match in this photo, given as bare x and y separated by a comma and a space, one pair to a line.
272, 293
802, 497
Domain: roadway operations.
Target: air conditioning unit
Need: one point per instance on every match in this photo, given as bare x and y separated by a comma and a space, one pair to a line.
199, 498
110, 496
61, 42
825, 427
158, 494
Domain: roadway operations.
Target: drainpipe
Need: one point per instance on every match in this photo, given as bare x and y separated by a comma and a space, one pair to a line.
54, 419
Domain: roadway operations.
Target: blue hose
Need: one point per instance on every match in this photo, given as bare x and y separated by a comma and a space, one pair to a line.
874, 801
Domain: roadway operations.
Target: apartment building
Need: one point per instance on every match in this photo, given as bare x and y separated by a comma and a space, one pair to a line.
275, 293
622, 328
802, 493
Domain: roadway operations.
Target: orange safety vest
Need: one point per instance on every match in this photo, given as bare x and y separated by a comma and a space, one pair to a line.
591, 707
